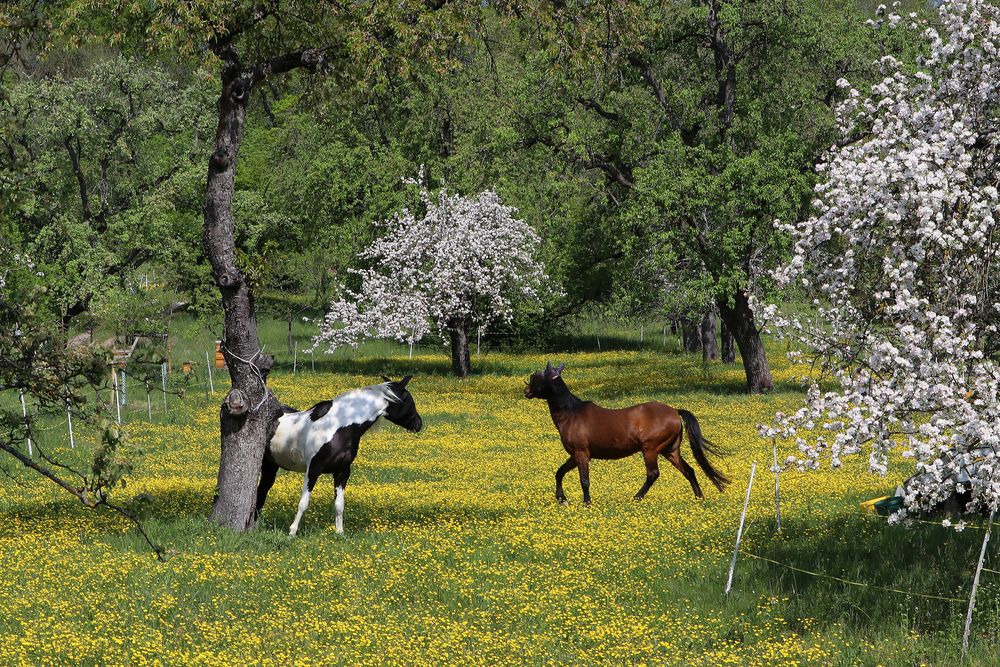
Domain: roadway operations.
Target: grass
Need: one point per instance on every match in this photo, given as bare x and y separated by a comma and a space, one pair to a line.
456, 553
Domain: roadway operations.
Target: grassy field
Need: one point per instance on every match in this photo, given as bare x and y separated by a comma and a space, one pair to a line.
455, 551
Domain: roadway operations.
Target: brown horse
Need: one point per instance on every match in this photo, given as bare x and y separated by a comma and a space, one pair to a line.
589, 431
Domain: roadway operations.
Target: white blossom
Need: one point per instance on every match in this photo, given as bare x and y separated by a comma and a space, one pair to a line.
897, 259
465, 262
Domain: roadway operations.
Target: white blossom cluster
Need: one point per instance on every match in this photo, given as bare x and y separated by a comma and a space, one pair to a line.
898, 259
464, 263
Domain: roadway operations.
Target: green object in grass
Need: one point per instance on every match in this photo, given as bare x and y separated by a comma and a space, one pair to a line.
889, 505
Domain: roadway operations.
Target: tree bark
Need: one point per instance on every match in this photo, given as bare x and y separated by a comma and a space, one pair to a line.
460, 364
728, 344
691, 333
245, 418
709, 348
739, 320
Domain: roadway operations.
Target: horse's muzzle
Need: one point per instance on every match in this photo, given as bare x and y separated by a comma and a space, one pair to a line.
417, 425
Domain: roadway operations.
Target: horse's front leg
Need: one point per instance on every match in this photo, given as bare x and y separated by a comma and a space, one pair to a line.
560, 473
583, 462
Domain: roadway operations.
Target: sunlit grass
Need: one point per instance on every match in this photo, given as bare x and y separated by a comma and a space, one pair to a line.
455, 551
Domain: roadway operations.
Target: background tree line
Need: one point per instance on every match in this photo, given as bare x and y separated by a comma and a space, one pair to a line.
650, 145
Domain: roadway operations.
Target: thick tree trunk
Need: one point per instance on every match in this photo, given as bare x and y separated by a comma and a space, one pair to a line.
728, 344
739, 320
691, 333
249, 407
709, 348
460, 364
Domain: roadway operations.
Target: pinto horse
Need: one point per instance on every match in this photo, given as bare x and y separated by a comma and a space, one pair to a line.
589, 431
324, 439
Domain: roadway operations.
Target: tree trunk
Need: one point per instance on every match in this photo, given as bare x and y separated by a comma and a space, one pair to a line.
728, 344
739, 320
691, 332
709, 348
249, 407
460, 364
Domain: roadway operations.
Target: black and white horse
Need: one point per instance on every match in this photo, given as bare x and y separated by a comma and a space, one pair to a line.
324, 439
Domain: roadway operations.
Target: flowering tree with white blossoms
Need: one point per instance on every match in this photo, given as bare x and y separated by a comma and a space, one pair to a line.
898, 258
464, 263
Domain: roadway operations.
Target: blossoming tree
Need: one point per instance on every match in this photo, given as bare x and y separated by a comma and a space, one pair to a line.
898, 258
464, 263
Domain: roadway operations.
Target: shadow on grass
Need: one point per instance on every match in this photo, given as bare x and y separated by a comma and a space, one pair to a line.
918, 563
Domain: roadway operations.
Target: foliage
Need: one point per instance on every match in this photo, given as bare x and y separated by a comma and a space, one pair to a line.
464, 262
90, 158
34, 363
898, 257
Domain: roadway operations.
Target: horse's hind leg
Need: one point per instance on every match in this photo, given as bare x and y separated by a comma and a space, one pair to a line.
652, 472
560, 473
583, 461
675, 458
268, 470
340, 481
307, 487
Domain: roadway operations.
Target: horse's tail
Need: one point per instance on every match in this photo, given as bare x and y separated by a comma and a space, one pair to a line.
700, 445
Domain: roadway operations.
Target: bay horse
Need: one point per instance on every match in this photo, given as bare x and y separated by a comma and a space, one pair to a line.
589, 431
324, 439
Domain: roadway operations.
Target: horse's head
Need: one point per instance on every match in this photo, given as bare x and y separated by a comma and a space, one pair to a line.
403, 411
542, 383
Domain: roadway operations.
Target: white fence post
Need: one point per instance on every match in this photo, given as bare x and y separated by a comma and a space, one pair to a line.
739, 533
24, 411
975, 585
163, 379
211, 380
114, 386
69, 420
777, 485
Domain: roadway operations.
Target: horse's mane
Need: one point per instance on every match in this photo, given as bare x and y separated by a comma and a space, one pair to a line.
383, 391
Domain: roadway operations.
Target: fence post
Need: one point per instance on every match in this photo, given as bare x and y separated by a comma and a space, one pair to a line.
114, 386
312, 359
641, 332
295, 357
24, 411
149, 402
163, 378
121, 384
211, 380
598, 343
777, 486
69, 420
479, 334
975, 585
413, 334
739, 533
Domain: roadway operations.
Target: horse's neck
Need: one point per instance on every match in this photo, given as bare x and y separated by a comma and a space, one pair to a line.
563, 405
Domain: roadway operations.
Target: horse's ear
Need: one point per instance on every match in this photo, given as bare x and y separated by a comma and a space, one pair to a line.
406, 378
385, 378
558, 371
548, 368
